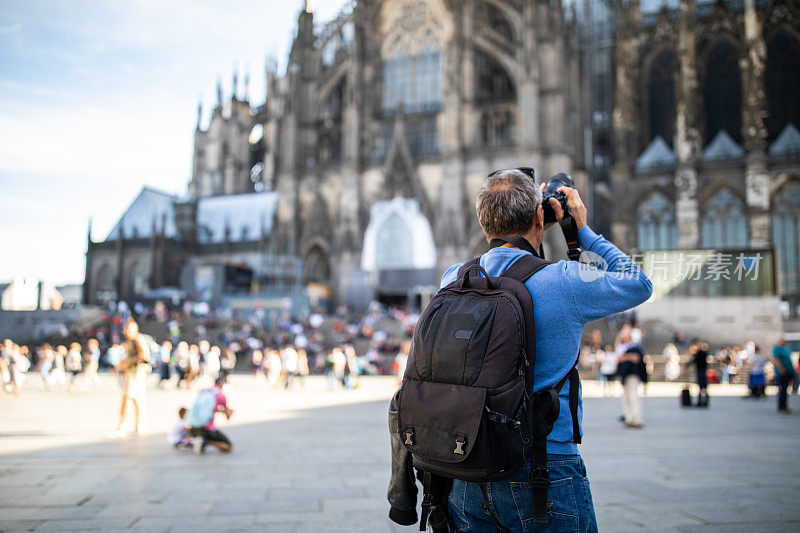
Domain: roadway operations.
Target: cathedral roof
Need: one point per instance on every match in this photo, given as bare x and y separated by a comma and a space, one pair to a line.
245, 216
151, 205
657, 155
721, 147
787, 144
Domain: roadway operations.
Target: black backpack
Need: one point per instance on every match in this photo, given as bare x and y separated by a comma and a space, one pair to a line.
466, 408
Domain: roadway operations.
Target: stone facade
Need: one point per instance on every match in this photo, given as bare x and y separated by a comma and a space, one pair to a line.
705, 112
415, 99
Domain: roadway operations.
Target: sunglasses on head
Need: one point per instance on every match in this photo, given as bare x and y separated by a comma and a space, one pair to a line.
528, 171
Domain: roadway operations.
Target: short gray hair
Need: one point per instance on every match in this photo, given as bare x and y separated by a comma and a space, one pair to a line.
507, 203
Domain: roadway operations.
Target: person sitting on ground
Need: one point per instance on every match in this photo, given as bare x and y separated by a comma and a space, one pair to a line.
204, 431
179, 434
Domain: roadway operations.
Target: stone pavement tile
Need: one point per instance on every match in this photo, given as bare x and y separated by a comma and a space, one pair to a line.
23, 496
296, 504
181, 522
114, 497
50, 513
134, 509
316, 492
192, 494
19, 525
87, 524
370, 506
741, 511
285, 516
368, 525
236, 507
747, 527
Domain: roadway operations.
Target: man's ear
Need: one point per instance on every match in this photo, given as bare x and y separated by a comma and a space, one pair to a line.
539, 218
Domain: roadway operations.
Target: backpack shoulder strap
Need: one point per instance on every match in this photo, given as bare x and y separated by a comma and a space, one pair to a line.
574, 385
525, 267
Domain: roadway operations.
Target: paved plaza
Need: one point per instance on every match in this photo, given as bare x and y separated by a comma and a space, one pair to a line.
318, 461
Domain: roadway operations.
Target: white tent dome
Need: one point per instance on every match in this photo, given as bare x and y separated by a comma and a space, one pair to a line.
398, 237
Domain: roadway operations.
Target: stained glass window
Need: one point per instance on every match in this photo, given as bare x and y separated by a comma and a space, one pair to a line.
782, 83
722, 92
661, 94
415, 82
656, 229
724, 221
786, 236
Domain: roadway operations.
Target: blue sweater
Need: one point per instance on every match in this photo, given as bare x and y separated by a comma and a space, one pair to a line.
567, 295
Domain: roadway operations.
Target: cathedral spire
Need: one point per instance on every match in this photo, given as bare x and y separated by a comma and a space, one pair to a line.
199, 111
235, 89
219, 92
246, 82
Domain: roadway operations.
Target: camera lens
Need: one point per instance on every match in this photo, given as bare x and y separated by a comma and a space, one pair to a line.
559, 180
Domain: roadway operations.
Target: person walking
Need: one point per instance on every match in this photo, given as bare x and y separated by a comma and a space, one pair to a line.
134, 367
73, 365
782, 359
632, 373
91, 359
700, 362
164, 359
672, 368
566, 296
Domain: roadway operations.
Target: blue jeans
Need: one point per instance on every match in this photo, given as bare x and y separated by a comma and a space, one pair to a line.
569, 498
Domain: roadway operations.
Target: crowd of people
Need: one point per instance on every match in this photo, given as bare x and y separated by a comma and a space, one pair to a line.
685, 361
281, 351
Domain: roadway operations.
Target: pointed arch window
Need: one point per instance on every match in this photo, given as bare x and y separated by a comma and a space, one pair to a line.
786, 237
413, 82
493, 82
317, 266
656, 229
137, 279
724, 221
722, 92
330, 125
489, 16
661, 96
782, 81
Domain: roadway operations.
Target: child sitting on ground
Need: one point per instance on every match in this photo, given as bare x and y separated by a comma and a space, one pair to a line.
179, 434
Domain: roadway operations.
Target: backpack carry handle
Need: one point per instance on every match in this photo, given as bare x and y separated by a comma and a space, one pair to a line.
466, 284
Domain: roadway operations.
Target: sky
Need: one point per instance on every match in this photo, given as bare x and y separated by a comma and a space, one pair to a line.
99, 98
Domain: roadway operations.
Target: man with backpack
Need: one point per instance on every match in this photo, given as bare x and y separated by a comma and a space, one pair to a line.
489, 414
209, 402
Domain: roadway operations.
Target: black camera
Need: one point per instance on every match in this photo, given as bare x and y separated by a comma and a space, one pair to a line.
551, 191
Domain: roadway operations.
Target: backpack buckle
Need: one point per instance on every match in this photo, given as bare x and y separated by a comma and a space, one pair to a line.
460, 441
540, 478
409, 437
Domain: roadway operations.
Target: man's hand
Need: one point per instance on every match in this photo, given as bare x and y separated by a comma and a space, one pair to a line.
575, 204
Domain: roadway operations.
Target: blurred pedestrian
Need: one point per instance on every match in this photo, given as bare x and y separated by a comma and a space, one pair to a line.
784, 373
700, 361
632, 372
134, 368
